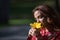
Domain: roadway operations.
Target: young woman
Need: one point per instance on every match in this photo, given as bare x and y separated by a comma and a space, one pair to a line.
50, 21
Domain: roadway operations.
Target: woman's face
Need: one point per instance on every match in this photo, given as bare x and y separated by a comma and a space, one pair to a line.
38, 16
42, 18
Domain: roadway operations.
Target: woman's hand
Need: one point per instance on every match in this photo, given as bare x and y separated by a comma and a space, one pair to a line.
32, 32
35, 32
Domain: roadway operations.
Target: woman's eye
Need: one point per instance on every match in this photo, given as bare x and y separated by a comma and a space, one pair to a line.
40, 16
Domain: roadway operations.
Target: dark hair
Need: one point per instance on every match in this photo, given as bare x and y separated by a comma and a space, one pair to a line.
50, 12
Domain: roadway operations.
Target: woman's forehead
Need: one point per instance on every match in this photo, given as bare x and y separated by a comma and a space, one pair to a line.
39, 13
36, 12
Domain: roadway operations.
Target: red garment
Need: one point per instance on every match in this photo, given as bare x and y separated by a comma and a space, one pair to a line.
31, 38
44, 33
58, 35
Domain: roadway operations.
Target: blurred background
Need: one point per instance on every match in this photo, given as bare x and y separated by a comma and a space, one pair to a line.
16, 15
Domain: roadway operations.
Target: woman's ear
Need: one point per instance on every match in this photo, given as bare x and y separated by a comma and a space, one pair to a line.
49, 20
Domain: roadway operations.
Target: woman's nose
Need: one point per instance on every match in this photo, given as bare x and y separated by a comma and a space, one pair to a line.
41, 19
37, 20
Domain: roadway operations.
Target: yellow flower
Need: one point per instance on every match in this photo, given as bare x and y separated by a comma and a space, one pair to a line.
35, 25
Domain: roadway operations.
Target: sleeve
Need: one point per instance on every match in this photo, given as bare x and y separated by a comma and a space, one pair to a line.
58, 36
31, 34
29, 37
